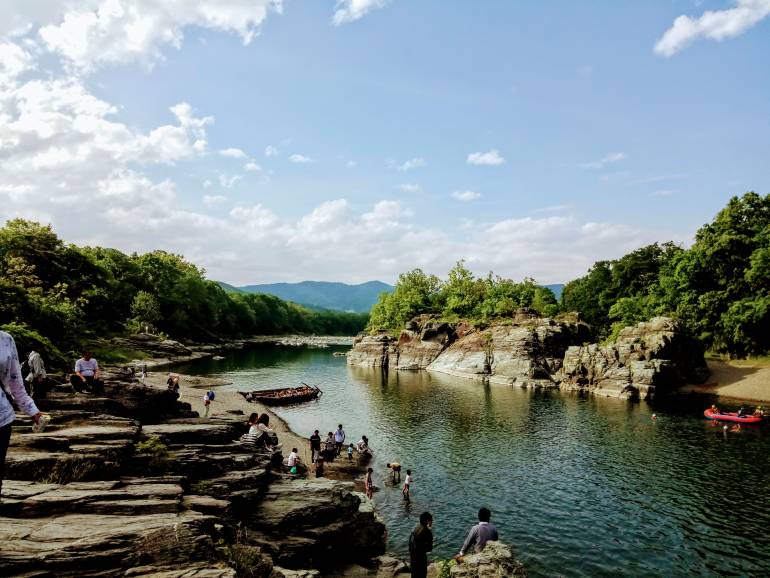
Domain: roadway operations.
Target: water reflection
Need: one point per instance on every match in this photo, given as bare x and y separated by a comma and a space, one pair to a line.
580, 486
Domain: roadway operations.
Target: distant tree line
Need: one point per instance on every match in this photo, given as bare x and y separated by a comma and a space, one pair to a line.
719, 287
61, 295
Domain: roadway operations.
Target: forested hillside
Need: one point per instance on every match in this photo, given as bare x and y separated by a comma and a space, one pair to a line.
719, 287
63, 295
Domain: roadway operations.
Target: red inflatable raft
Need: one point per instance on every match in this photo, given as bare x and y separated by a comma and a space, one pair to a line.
732, 416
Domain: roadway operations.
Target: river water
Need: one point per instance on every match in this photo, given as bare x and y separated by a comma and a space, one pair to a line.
580, 486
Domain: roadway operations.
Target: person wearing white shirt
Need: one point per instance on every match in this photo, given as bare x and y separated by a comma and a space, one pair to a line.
11, 388
87, 374
339, 438
293, 458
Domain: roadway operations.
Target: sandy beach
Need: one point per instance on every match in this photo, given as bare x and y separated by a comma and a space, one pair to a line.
740, 380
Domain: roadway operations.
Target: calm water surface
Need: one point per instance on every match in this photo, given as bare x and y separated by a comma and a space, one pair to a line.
579, 486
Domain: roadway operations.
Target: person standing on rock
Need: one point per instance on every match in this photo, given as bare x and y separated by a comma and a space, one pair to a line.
37, 376
329, 448
480, 534
315, 446
11, 387
420, 543
339, 439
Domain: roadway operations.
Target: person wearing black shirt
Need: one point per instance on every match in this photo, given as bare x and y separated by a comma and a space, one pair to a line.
315, 445
420, 543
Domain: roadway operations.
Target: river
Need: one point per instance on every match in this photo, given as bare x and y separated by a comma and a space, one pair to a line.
580, 486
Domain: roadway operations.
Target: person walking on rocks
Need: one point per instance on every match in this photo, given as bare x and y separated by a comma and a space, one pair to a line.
11, 387
208, 397
37, 376
420, 543
339, 439
480, 534
315, 446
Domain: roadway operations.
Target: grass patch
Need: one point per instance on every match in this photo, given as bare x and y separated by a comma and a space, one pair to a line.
116, 354
201, 487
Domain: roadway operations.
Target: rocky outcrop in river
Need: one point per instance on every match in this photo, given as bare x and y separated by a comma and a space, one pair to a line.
532, 351
653, 356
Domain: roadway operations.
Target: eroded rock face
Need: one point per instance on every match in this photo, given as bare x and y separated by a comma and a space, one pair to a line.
317, 523
653, 356
372, 350
528, 352
495, 561
418, 347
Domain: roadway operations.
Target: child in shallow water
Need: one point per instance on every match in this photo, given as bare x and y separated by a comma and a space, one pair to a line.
407, 483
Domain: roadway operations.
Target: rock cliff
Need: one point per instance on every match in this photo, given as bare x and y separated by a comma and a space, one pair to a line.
652, 357
531, 351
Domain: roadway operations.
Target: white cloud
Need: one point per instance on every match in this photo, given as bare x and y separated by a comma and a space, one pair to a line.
409, 187
300, 159
14, 60
351, 10
271, 151
102, 32
207, 184
213, 200
663, 193
351, 164
411, 164
229, 181
252, 167
233, 153
466, 196
712, 24
552, 209
489, 158
604, 161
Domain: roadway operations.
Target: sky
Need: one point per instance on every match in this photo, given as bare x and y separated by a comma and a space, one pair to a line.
352, 140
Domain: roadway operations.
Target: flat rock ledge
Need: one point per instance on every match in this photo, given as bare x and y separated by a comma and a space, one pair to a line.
534, 352
114, 488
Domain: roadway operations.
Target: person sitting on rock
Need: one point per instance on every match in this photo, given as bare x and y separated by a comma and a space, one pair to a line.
87, 374
173, 383
480, 534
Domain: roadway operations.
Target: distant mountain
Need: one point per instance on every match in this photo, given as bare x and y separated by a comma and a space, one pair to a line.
228, 287
556, 288
323, 294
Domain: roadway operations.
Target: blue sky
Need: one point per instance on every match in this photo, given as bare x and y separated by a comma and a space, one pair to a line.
528, 138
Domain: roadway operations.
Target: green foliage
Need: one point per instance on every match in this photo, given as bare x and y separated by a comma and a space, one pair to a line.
156, 449
720, 287
117, 354
70, 295
461, 297
445, 571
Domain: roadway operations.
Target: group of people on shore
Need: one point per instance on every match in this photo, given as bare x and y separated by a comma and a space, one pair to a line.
421, 541
326, 450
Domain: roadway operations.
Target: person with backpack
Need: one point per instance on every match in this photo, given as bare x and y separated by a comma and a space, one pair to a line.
420, 543
208, 397
11, 388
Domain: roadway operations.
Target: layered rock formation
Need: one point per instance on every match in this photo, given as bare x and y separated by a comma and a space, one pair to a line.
495, 561
653, 356
531, 351
108, 495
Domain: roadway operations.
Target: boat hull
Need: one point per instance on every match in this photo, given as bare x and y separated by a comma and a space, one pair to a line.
731, 416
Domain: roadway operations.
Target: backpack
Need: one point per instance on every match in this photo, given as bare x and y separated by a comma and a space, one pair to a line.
211, 395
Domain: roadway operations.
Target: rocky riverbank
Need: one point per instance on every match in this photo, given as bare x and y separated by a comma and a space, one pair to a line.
531, 351
134, 483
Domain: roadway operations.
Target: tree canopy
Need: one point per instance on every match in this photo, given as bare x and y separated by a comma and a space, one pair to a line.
720, 287
461, 296
58, 295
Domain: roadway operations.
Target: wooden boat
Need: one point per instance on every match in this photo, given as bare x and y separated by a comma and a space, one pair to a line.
283, 396
732, 416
